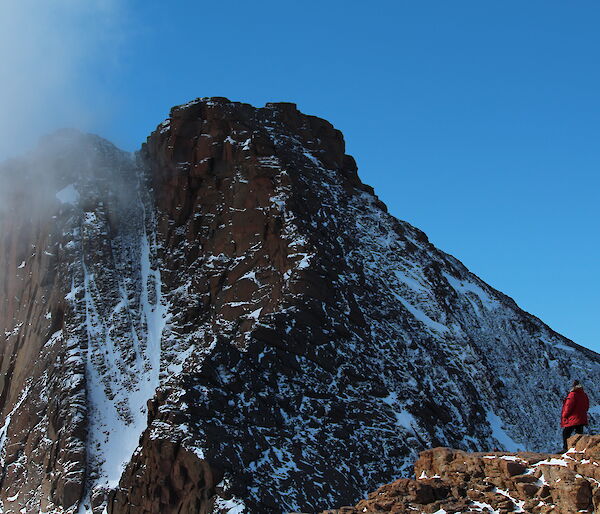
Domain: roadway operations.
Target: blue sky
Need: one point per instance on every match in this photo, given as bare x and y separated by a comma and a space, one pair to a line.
476, 121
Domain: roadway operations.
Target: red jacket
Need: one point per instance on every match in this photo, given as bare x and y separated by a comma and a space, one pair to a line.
575, 407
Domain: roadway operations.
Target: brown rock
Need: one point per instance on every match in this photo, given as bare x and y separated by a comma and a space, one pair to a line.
526, 490
511, 468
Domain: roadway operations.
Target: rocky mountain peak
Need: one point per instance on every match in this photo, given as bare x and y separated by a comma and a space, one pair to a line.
233, 322
228, 132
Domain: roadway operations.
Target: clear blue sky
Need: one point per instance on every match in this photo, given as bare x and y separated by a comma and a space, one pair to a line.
476, 121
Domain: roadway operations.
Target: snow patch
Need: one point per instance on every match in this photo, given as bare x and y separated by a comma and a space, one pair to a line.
463, 286
68, 195
518, 503
499, 433
4, 427
551, 462
232, 506
484, 507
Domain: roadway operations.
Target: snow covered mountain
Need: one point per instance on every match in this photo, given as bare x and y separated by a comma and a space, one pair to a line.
230, 321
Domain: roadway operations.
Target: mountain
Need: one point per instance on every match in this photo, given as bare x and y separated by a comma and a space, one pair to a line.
230, 321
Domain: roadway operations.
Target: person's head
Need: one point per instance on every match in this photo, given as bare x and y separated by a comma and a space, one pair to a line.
576, 384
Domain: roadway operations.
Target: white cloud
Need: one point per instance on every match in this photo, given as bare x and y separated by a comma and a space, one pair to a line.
50, 51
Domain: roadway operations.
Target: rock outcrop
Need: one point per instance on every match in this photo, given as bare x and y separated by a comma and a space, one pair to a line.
231, 321
454, 481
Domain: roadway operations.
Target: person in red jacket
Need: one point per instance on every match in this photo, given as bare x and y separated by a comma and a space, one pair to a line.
574, 412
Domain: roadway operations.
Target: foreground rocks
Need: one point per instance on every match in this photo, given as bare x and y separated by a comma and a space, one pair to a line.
453, 481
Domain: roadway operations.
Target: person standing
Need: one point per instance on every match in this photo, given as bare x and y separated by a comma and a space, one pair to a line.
574, 412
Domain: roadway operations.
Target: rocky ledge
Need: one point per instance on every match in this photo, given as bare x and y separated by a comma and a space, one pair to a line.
452, 481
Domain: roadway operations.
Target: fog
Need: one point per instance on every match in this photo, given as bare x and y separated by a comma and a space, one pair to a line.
50, 54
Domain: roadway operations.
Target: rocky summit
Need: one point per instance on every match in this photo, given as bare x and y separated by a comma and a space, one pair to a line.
229, 320
453, 481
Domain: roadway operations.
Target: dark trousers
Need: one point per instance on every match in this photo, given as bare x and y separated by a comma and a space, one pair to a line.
568, 431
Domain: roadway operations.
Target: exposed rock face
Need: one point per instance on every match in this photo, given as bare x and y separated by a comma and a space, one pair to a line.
232, 320
69, 362
453, 481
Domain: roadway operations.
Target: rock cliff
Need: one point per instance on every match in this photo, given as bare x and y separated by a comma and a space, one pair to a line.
231, 321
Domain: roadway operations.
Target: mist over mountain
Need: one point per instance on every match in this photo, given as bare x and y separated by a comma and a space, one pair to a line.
49, 54
231, 321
